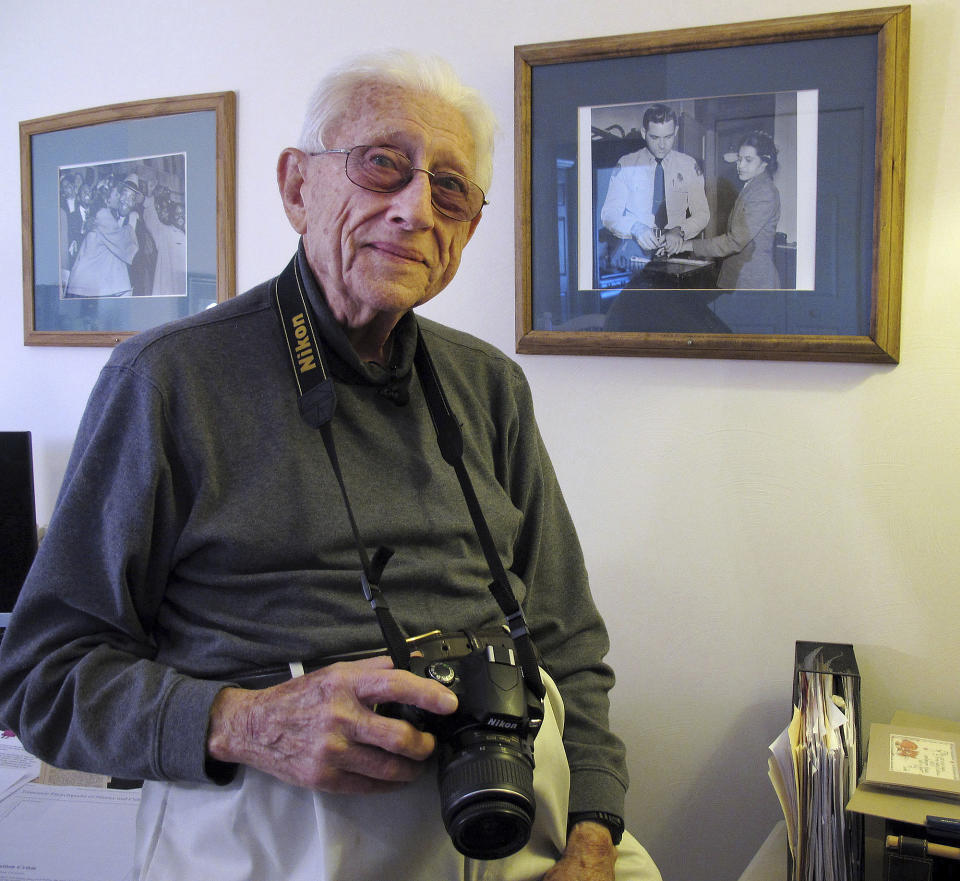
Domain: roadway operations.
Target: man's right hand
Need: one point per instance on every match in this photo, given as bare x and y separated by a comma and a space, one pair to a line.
320, 730
647, 237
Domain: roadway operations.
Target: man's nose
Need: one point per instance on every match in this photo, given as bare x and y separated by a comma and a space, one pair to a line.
413, 203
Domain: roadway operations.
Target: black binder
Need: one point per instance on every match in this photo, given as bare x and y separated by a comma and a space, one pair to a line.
18, 518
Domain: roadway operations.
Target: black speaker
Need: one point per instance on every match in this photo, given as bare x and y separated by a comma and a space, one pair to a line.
18, 514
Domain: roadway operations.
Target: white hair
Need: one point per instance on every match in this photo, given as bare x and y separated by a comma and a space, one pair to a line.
429, 75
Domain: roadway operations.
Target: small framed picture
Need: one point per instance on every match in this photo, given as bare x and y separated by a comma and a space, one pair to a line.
128, 217
724, 192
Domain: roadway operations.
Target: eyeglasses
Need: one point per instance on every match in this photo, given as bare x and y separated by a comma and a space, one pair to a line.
383, 170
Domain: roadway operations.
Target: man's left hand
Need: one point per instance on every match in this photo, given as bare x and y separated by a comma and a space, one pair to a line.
589, 855
672, 241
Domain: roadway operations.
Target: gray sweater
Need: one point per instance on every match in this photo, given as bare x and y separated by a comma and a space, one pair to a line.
199, 533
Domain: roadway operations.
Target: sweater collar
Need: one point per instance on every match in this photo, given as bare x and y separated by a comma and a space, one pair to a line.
343, 361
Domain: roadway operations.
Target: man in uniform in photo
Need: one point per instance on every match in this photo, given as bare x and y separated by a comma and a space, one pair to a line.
656, 196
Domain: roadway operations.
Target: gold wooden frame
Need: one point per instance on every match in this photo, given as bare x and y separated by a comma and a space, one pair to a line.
891, 26
224, 105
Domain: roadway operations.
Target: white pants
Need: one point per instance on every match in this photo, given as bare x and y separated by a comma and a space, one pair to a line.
259, 829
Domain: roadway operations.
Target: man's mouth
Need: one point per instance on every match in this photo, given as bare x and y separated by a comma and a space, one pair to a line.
398, 251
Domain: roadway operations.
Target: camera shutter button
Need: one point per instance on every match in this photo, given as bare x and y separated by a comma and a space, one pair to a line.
442, 672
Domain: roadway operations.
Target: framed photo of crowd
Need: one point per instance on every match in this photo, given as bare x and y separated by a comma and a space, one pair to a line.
733, 191
128, 217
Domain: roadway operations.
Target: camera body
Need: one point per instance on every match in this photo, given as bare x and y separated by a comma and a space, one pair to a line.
485, 747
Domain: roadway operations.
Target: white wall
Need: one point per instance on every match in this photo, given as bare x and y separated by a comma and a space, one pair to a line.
726, 508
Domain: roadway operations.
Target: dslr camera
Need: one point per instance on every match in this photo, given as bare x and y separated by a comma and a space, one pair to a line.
484, 748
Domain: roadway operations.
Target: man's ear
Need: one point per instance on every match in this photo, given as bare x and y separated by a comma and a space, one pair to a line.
290, 181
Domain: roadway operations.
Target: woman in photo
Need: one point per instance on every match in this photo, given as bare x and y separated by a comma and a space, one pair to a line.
747, 245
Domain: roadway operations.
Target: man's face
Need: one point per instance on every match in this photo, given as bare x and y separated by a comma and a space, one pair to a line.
67, 189
86, 194
113, 199
384, 253
660, 137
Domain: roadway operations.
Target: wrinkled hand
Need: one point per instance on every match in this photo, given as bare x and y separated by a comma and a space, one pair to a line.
320, 730
589, 855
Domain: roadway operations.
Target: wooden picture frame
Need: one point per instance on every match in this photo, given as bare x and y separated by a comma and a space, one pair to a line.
167, 168
846, 272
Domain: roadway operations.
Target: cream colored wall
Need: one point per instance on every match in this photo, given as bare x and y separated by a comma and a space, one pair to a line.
726, 508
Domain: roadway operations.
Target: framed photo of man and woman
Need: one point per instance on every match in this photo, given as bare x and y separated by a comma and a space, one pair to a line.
733, 191
128, 217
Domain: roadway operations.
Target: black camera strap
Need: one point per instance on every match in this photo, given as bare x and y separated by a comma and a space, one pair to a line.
450, 441
317, 402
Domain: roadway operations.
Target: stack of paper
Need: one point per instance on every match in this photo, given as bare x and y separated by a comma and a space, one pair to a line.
61, 833
813, 770
68, 833
17, 766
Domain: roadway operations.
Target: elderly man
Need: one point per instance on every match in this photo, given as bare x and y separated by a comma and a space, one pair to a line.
656, 195
201, 539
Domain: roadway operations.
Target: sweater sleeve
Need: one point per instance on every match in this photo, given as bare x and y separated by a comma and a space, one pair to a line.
78, 679
566, 625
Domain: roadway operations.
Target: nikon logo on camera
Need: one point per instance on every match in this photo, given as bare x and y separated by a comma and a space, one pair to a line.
494, 722
303, 351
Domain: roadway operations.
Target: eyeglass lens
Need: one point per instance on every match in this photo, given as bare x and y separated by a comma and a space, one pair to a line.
386, 171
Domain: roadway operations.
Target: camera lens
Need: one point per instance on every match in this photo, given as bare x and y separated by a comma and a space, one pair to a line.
487, 800
490, 831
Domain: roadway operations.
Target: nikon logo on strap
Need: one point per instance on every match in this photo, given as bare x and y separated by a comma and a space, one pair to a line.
303, 350
317, 398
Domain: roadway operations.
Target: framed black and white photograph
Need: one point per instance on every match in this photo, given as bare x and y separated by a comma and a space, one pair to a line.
703, 148
730, 191
128, 217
